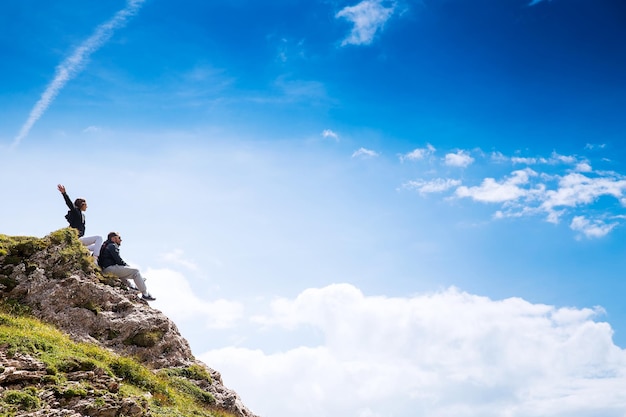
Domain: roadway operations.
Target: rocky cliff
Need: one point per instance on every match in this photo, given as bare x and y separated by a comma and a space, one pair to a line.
114, 355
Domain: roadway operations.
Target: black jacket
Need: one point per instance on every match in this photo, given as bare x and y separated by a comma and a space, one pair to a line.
110, 255
75, 216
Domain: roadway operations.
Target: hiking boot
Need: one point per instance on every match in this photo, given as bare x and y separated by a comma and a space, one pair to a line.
147, 297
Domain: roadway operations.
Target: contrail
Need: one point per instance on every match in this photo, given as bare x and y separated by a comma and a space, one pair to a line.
75, 63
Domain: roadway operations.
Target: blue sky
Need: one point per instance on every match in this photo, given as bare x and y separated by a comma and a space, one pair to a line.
375, 208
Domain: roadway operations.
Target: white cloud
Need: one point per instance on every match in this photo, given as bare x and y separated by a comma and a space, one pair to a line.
364, 153
75, 63
591, 229
327, 133
561, 185
491, 191
584, 167
368, 17
92, 129
528, 161
178, 301
576, 189
554, 159
592, 146
498, 157
437, 185
565, 159
459, 159
573, 191
443, 354
419, 153
176, 257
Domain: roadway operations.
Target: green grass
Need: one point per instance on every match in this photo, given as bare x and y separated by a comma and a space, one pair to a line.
172, 391
21, 400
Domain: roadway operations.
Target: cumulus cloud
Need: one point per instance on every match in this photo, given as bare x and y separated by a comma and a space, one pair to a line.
565, 159
436, 185
69, 68
595, 228
576, 189
554, 159
499, 157
528, 161
572, 191
327, 133
364, 153
459, 159
557, 186
368, 17
419, 153
443, 354
492, 191
178, 301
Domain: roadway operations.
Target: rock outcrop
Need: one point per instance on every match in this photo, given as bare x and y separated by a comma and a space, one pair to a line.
58, 282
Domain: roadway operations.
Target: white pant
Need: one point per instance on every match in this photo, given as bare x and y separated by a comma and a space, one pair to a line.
93, 243
126, 272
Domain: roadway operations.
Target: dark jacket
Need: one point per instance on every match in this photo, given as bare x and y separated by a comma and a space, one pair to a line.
110, 255
75, 216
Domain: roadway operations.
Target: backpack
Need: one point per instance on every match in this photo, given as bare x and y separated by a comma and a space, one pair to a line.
102, 249
71, 217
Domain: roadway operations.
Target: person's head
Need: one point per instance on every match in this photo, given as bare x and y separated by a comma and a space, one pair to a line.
114, 237
80, 204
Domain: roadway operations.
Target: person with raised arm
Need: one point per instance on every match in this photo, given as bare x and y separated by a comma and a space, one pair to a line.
76, 218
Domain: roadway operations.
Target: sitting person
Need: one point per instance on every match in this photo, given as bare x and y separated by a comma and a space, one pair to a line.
76, 218
111, 261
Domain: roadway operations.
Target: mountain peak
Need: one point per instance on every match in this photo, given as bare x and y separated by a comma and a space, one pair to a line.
54, 280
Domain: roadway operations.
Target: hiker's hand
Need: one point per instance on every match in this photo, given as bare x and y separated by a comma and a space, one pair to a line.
61, 188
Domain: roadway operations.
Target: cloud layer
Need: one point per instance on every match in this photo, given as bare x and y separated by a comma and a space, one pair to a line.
443, 354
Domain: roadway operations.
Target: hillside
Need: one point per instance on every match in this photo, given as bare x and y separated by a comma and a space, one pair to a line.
75, 342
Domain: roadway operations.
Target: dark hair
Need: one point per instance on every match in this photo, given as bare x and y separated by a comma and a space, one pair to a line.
79, 202
112, 234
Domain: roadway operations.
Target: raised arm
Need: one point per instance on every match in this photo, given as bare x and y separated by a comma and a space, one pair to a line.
69, 203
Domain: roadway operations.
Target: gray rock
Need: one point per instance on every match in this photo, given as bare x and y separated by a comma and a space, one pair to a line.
90, 307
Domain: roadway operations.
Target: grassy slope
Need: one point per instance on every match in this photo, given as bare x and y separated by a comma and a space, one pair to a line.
168, 392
